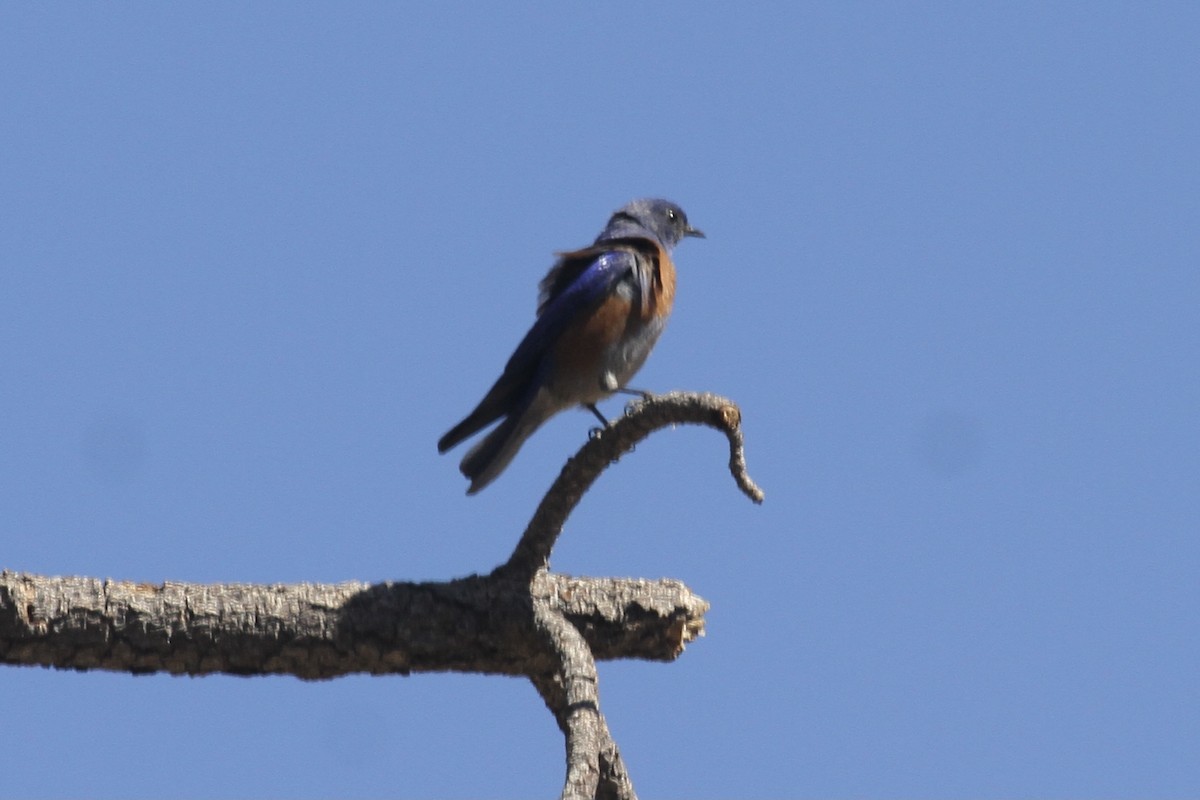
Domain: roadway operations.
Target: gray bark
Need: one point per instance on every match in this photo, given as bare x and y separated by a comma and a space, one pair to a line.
521, 619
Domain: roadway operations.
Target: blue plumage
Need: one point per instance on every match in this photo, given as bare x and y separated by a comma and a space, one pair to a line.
600, 311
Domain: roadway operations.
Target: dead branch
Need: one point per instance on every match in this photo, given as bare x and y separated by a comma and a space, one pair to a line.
519, 620
312, 631
642, 418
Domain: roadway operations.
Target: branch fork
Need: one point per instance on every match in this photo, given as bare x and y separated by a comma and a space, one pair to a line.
521, 619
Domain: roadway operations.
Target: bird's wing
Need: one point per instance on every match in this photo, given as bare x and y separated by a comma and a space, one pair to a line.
575, 285
580, 282
571, 266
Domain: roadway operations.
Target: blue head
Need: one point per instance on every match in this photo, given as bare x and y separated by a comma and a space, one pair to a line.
649, 218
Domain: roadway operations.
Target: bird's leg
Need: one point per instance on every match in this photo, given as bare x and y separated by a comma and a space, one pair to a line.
608, 383
596, 433
592, 408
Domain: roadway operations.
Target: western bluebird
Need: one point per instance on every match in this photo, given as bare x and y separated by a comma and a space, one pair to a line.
600, 311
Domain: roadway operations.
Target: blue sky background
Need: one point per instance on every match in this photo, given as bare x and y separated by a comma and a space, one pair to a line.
256, 259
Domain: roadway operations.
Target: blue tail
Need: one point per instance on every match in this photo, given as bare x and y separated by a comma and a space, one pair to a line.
485, 461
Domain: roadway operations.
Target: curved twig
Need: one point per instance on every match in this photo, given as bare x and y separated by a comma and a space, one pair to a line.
642, 417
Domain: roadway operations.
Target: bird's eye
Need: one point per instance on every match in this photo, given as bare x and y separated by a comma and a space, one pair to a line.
671, 214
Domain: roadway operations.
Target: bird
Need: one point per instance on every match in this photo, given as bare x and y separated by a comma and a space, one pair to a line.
600, 312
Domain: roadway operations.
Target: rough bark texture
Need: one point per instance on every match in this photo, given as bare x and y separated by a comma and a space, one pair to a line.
519, 620
475, 624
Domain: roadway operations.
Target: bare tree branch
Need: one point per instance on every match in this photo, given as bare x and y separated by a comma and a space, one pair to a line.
519, 620
642, 418
474, 624
571, 692
613, 781
578, 714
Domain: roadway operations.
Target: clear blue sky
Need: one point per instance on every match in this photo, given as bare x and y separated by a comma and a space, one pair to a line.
255, 260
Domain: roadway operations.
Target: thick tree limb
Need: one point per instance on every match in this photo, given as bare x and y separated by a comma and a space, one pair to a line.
519, 620
474, 624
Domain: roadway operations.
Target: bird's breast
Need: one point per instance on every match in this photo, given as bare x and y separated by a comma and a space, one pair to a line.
663, 288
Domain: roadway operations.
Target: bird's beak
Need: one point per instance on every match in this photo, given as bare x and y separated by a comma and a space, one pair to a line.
690, 231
